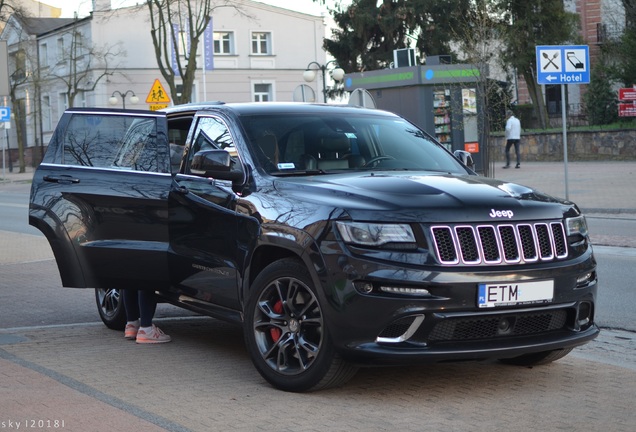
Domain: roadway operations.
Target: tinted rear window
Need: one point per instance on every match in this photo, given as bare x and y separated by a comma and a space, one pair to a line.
110, 141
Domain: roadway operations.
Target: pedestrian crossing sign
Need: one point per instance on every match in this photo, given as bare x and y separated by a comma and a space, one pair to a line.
157, 94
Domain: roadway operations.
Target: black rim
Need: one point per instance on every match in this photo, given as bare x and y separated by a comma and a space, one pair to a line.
288, 326
109, 302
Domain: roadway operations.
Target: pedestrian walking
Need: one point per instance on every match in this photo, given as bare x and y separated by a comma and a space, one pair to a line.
513, 135
140, 310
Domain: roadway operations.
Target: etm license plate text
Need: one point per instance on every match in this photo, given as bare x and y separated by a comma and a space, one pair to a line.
520, 293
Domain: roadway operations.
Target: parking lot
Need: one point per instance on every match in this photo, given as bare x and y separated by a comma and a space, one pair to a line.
80, 377
87, 377
90, 378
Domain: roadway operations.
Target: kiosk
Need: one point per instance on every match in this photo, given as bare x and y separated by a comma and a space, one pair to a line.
441, 99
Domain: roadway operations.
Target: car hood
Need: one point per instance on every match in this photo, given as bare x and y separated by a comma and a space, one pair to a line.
420, 196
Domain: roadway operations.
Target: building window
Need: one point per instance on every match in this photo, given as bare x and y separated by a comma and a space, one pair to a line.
223, 43
46, 113
44, 55
19, 59
60, 50
262, 92
62, 103
80, 99
261, 43
183, 43
78, 45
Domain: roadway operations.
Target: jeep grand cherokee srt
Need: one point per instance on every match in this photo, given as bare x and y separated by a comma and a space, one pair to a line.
336, 236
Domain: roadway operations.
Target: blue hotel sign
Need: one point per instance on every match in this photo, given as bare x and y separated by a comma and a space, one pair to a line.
563, 64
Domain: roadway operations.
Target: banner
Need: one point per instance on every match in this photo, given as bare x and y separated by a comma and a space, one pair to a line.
182, 39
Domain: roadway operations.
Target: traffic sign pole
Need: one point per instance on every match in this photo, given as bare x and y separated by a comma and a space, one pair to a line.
563, 64
565, 142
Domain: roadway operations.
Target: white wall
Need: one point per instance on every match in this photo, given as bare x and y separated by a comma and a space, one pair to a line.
297, 40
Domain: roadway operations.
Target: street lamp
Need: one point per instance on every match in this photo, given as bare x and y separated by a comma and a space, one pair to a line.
113, 99
337, 74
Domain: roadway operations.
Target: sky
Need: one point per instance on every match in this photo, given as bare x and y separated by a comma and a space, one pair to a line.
83, 7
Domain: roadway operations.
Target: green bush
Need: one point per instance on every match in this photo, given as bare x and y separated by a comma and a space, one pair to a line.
600, 100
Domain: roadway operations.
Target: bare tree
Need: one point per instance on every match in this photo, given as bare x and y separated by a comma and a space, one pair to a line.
20, 69
79, 68
83, 65
177, 26
8, 8
478, 41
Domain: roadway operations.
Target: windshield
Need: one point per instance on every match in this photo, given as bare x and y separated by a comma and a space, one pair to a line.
294, 144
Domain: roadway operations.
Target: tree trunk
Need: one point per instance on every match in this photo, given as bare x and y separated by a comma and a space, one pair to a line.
537, 98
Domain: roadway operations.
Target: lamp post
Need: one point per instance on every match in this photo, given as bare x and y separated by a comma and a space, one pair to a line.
113, 99
310, 74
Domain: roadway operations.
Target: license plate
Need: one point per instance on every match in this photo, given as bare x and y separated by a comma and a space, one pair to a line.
517, 293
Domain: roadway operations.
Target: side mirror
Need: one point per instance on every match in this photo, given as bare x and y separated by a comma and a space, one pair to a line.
464, 157
216, 164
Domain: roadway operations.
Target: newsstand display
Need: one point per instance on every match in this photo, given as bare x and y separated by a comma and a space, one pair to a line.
442, 115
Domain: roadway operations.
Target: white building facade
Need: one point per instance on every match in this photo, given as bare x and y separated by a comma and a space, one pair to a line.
259, 54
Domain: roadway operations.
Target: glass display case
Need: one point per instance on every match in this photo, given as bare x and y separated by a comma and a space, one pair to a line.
442, 116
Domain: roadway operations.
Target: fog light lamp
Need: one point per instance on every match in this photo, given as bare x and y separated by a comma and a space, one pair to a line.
405, 291
584, 278
364, 287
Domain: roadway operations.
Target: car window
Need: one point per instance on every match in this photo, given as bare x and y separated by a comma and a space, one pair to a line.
285, 144
178, 129
212, 133
112, 141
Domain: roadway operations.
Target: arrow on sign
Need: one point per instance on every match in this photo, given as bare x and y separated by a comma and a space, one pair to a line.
550, 78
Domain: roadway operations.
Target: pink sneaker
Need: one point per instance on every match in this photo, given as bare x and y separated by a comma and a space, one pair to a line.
130, 332
154, 336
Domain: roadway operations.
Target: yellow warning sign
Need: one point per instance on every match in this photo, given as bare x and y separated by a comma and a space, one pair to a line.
157, 94
158, 107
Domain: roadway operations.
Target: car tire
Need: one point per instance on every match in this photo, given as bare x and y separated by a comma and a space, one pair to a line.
110, 305
537, 359
285, 333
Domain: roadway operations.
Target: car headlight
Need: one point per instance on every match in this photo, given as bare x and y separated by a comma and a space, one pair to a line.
576, 226
373, 234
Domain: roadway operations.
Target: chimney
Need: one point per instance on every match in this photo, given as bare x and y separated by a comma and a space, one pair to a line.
101, 5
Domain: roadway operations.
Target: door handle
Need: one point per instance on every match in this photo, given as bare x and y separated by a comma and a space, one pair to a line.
182, 190
63, 179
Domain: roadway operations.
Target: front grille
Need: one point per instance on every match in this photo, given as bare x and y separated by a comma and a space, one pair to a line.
463, 329
499, 244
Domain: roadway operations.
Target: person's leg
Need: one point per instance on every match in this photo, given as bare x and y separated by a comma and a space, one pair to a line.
508, 145
517, 153
131, 304
149, 333
147, 307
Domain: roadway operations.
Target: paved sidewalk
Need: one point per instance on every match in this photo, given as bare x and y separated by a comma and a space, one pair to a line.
32, 398
7, 176
596, 187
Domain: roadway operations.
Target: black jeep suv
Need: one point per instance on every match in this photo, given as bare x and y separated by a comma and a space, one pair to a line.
336, 236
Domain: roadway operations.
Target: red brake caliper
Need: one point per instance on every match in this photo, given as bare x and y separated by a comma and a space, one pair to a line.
275, 332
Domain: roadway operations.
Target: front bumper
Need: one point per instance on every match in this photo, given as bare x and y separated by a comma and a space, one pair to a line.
494, 347
375, 327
